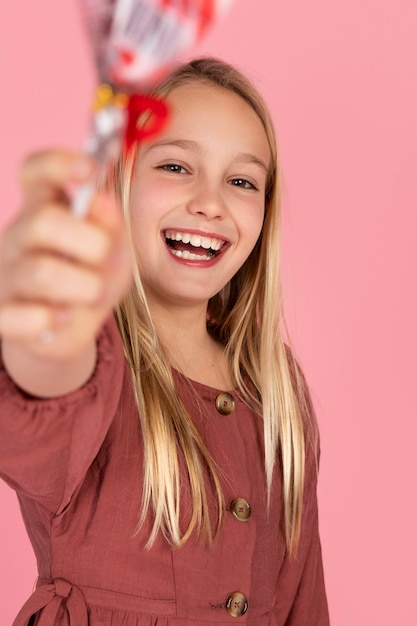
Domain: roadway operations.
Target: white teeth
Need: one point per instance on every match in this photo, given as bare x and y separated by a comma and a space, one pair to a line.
195, 240
185, 254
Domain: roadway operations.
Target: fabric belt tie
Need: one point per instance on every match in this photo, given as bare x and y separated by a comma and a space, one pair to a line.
56, 599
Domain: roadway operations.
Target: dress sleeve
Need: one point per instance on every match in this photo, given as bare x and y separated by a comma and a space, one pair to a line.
47, 445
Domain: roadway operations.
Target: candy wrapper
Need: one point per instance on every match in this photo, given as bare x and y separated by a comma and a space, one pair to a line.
135, 44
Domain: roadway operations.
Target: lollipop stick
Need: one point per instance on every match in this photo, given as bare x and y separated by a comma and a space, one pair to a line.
82, 199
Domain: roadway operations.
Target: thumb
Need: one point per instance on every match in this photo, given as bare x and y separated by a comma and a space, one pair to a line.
106, 212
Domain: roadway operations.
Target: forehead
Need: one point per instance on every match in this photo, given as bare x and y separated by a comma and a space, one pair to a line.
216, 118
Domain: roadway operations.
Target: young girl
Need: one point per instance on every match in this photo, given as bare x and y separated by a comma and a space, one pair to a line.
166, 462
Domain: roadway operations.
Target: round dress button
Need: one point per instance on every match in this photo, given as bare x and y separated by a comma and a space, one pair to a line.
225, 403
240, 509
236, 604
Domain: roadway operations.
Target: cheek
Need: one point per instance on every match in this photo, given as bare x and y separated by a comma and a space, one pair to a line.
254, 224
135, 224
140, 228
260, 219
143, 210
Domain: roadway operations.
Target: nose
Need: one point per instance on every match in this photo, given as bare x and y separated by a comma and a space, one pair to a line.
208, 201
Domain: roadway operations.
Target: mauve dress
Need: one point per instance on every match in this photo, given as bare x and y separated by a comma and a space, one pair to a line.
76, 464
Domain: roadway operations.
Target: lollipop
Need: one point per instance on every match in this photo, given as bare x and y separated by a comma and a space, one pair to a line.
135, 44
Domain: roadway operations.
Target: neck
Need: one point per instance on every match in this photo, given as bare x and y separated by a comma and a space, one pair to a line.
183, 333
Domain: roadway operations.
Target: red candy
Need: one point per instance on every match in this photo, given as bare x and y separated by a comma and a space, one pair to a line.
136, 41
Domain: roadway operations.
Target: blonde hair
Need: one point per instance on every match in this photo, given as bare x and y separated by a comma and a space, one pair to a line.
246, 317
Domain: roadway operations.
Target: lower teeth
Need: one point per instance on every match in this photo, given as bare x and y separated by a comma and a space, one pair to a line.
185, 254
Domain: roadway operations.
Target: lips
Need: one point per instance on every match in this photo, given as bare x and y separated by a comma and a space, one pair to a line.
192, 246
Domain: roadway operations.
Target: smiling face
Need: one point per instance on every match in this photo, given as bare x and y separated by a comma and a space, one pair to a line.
198, 195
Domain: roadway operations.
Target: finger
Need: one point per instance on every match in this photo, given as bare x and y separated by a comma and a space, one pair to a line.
106, 212
53, 169
44, 193
53, 230
53, 280
22, 322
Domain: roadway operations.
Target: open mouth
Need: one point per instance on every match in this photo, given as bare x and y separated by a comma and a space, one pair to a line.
192, 247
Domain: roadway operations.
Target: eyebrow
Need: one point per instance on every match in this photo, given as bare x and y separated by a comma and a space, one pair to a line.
251, 158
185, 144
189, 144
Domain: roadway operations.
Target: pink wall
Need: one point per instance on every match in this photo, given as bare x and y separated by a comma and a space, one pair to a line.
341, 80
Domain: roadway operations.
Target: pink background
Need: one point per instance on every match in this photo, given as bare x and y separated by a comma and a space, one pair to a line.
341, 81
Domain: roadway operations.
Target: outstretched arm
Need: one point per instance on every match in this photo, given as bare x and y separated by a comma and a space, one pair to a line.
60, 277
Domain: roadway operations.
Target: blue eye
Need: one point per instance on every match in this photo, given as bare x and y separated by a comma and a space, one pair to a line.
241, 182
174, 168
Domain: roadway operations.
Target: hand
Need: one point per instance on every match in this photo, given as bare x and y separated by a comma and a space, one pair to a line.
60, 276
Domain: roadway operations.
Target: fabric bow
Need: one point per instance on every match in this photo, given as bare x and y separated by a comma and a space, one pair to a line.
54, 600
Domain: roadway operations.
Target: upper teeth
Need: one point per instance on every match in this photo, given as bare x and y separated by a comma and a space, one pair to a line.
195, 240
